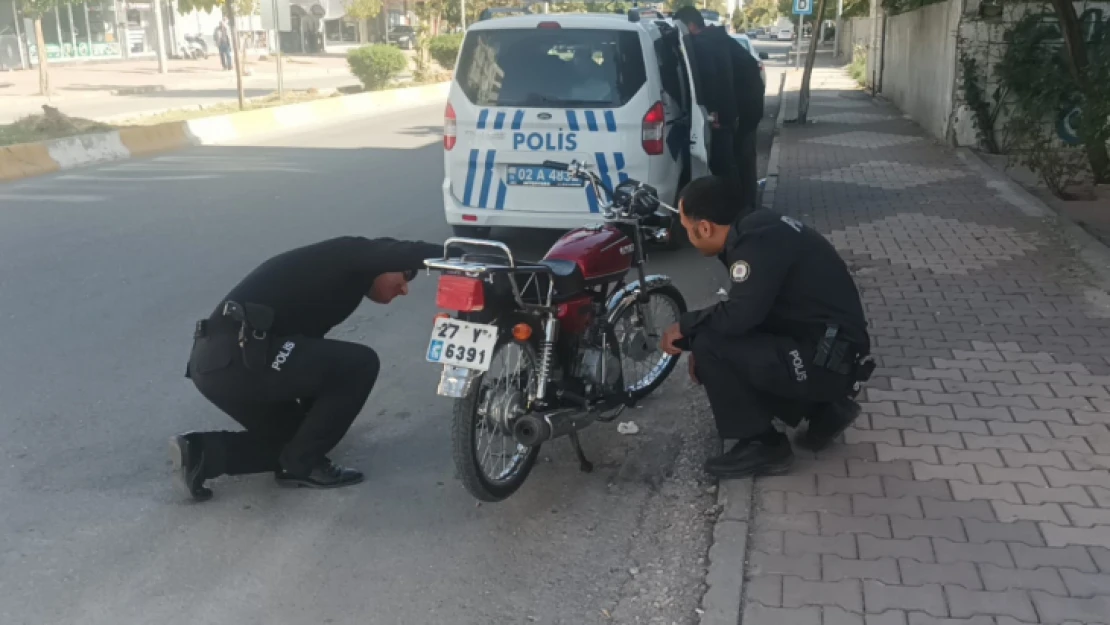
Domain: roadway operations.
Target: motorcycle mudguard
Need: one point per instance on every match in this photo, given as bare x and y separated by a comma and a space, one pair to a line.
626, 296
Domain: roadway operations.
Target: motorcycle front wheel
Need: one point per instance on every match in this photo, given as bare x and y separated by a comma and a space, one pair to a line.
491, 463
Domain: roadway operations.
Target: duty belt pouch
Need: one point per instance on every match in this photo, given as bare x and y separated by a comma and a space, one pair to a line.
254, 331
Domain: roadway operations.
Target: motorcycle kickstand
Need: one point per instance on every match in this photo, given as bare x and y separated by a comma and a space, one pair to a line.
584, 465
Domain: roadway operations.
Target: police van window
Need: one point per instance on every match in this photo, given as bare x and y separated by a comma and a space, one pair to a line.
573, 68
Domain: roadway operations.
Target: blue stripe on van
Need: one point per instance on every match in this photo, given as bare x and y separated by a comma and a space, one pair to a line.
603, 169
482, 119
572, 121
518, 119
499, 121
486, 178
591, 121
501, 191
618, 161
471, 171
610, 121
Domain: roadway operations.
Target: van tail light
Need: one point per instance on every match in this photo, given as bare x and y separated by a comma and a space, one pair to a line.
450, 127
460, 293
654, 121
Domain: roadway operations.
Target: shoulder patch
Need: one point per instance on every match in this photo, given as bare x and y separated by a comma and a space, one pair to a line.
793, 223
739, 271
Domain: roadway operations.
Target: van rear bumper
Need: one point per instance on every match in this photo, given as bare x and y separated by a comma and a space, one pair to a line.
454, 212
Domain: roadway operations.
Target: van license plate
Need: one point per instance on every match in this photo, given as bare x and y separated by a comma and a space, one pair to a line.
539, 176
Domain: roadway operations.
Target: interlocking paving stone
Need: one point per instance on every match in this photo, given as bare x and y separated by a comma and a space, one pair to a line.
975, 488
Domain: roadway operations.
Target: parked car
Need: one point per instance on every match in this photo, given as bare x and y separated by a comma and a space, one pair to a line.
759, 56
403, 37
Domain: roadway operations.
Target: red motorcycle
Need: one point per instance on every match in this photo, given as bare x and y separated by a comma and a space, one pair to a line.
539, 350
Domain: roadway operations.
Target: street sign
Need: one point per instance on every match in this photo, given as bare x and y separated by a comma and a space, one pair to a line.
284, 15
803, 7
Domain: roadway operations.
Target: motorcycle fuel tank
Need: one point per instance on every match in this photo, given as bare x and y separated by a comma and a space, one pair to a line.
600, 251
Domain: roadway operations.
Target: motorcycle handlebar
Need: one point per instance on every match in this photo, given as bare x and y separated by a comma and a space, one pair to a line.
636, 203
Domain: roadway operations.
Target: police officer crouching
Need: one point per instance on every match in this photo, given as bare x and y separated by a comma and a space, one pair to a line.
790, 341
261, 357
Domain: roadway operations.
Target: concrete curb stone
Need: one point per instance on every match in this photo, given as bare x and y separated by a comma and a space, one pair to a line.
35, 159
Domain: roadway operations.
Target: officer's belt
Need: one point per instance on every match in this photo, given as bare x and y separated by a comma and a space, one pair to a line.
250, 319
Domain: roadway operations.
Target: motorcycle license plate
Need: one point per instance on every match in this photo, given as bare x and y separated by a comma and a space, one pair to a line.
462, 344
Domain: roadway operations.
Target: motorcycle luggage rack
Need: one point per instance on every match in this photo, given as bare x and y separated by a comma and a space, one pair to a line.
513, 270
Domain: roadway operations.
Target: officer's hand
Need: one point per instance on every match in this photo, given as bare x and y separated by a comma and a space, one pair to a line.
671, 335
693, 371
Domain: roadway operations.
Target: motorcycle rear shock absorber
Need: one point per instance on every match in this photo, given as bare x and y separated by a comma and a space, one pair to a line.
547, 355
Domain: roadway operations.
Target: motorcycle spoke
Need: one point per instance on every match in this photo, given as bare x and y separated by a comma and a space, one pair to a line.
500, 464
633, 326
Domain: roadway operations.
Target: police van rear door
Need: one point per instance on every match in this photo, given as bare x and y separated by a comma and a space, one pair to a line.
699, 119
551, 91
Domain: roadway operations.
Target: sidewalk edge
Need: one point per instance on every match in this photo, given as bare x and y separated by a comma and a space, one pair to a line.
772, 185
27, 160
1088, 249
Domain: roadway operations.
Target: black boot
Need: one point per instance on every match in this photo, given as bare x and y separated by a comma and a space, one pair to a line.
828, 422
326, 474
769, 454
187, 455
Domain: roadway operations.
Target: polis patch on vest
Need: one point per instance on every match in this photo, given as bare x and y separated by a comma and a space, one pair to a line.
740, 271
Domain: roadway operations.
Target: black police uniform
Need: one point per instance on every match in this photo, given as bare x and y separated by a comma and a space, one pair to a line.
791, 334
262, 359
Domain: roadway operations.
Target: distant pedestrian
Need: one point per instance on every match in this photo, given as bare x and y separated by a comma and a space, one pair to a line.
223, 43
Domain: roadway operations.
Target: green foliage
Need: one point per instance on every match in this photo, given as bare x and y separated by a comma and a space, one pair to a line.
984, 112
363, 9
376, 65
35, 9
241, 7
894, 7
445, 49
858, 68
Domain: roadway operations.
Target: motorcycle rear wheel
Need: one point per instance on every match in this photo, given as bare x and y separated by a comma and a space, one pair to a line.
481, 414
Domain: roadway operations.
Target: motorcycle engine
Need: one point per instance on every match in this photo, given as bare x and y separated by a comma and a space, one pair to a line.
598, 367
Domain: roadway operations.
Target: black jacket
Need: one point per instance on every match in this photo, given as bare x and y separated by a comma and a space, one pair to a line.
316, 287
731, 79
787, 280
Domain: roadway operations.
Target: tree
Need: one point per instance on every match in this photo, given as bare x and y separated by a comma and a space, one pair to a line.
761, 12
230, 10
362, 9
35, 10
803, 96
1078, 64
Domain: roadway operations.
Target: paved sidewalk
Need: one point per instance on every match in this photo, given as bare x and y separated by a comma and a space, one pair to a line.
975, 488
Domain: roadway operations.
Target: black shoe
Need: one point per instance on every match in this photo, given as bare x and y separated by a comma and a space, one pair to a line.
324, 475
828, 422
767, 455
188, 465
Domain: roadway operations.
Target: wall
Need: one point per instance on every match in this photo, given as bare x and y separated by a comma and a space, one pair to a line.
919, 70
856, 31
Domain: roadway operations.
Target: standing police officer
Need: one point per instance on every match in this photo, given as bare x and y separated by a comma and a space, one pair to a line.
791, 340
261, 357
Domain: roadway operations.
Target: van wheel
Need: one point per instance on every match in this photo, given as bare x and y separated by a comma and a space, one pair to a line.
472, 232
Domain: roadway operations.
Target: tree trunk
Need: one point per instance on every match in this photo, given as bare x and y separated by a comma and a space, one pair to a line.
803, 95
1077, 66
235, 53
40, 44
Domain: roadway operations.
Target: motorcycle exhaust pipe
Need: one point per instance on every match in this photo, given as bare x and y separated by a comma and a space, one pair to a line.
531, 430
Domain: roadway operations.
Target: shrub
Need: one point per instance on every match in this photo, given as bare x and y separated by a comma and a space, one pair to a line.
445, 49
858, 68
376, 65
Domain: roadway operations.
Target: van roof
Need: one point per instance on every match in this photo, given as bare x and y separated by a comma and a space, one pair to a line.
607, 21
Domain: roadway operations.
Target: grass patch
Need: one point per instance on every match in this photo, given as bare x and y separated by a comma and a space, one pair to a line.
52, 124
223, 108
858, 68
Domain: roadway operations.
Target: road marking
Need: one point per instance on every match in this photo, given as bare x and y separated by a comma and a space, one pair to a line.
38, 197
101, 178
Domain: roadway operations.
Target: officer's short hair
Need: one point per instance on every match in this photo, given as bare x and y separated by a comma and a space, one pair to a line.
711, 198
690, 15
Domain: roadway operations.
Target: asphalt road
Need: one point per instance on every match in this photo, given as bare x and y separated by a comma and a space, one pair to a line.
103, 273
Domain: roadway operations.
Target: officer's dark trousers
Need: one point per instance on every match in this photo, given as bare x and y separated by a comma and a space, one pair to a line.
295, 407
747, 166
722, 156
752, 379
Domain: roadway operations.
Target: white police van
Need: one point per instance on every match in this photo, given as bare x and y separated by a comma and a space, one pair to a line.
605, 89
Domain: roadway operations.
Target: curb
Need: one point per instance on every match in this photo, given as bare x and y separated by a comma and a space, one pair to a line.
1088, 249
27, 160
723, 601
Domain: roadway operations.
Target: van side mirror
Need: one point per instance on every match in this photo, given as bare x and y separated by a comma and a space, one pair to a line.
763, 56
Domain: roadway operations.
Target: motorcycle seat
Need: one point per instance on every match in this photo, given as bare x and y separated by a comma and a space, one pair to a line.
567, 275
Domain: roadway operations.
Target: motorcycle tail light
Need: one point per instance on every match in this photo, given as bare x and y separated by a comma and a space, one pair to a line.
652, 135
460, 293
450, 128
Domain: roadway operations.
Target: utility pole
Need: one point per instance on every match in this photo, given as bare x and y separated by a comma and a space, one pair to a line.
798, 41
161, 36
839, 25
462, 14
873, 46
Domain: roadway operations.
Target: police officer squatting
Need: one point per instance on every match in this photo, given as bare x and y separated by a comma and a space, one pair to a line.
261, 358
790, 341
